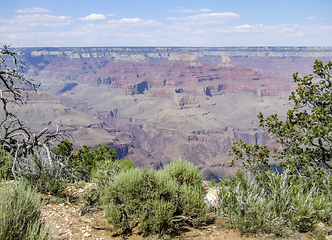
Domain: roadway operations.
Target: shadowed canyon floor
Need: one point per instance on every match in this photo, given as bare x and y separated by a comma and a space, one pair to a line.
156, 104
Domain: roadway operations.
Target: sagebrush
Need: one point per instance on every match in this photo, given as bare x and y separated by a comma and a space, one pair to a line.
277, 205
20, 213
157, 202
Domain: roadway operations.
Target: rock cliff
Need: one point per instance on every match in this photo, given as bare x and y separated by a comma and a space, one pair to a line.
156, 104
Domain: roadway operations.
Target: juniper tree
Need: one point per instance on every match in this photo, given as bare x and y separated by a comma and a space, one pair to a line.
306, 134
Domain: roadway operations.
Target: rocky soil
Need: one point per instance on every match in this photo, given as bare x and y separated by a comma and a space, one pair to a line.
67, 222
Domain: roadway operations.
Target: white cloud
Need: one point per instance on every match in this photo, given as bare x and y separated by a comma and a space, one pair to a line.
283, 32
110, 15
310, 18
128, 20
93, 17
244, 27
32, 10
134, 21
38, 20
186, 10
207, 18
206, 29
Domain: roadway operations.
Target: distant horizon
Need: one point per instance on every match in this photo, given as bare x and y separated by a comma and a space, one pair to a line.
110, 46
186, 47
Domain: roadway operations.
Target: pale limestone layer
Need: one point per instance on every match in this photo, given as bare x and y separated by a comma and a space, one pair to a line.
186, 57
138, 54
225, 62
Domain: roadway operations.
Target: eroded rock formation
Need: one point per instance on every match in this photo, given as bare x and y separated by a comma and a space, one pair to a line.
156, 104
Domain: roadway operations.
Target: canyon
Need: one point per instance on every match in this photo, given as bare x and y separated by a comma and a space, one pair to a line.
154, 104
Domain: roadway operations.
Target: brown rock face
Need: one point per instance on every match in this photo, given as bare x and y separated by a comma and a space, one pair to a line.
156, 104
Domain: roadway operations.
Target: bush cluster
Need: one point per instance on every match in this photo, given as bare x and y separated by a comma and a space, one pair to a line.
6, 163
20, 214
83, 162
102, 177
274, 203
156, 201
299, 198
72, 167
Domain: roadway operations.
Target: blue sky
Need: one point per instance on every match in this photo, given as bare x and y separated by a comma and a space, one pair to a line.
208, 23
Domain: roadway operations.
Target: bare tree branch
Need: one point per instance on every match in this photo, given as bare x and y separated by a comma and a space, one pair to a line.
32, 154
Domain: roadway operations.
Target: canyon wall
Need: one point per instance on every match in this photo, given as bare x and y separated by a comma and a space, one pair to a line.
156, 104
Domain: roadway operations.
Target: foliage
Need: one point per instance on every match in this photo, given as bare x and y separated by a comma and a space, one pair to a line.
275, 208
32, 158
192, 203
298, 198
6, 164
305, 135
90, 198
48, 177
83, 162
47, 184
20, 215
157, 201
67, 167
185, 173
70, 168
191, 189
64, 149
106, 170
102, 177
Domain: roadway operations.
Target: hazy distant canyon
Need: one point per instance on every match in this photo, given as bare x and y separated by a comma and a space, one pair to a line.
155, 104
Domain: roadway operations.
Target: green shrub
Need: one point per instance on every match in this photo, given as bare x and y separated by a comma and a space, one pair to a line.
106, 170
185, 173
319, 233
157, 201
160, 220
90, 197
133, 196
103, 177
44, 170
20, 215
191, 190
300, 197
47, 184
6, 163
49, 178
272, 204
64, 149
83, 163
192, 203
70, 167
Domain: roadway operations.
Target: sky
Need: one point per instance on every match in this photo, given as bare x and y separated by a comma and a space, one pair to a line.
182, 23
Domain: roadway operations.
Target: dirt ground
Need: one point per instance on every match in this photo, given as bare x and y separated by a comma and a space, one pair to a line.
66, 222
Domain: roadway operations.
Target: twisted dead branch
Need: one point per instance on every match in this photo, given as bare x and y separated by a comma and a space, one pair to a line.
31, 151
